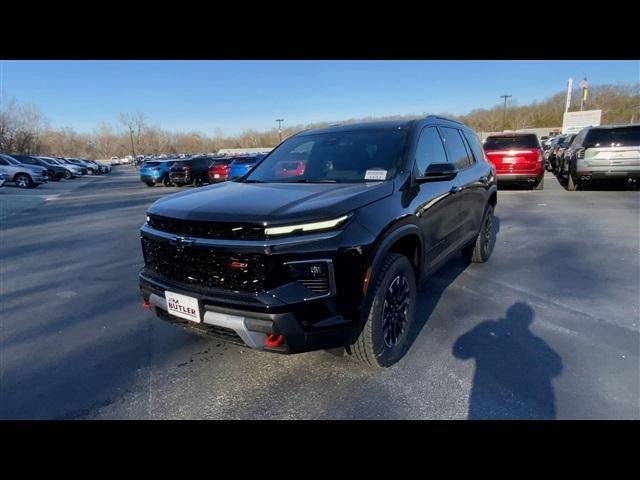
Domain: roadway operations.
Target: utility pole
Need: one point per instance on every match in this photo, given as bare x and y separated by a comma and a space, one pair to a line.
280, 120
504, 121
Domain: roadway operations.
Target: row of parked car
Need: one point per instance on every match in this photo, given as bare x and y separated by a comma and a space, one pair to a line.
608, 152
30, 171
196, 170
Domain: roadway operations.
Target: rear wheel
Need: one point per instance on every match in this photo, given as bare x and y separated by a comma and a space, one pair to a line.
384, 339
23, 180
150, 184
166, 181
480, 250
198, 181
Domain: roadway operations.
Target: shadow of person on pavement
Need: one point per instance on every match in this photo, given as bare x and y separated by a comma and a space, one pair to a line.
514, 368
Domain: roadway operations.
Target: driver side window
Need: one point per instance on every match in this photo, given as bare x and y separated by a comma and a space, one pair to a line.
429, 150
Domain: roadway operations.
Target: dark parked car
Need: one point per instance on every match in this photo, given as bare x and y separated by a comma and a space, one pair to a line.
191, 171
551, 152
54, 172
610, 152
328, 258
564, 144
87, 167
517, 158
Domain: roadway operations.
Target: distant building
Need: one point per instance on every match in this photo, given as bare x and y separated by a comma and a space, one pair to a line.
240, 151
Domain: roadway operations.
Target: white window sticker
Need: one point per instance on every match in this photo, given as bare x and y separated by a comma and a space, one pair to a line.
375, 175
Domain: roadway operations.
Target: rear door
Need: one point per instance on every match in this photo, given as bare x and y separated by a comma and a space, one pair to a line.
469, 188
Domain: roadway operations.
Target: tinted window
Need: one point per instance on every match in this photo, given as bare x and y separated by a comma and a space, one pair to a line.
613, 137
340, 156
510, 142
246, 160
455, 147
474, 143
150, 164
567, 141
429, 150
3, 162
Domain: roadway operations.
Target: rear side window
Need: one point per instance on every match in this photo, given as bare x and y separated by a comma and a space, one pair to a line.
429, 150
458, 154
511, 142
474, 144
613, 137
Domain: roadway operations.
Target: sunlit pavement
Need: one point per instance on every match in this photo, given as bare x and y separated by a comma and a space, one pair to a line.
549, 328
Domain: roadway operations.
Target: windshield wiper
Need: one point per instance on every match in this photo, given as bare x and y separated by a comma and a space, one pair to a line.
315, 180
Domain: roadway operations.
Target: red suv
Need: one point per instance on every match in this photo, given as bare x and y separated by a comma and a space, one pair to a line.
517, 157
219, 170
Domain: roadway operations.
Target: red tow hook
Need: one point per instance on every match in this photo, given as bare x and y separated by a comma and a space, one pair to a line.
146, 304
273, 340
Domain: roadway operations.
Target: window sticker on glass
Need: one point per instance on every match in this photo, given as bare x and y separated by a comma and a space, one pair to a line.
375, 175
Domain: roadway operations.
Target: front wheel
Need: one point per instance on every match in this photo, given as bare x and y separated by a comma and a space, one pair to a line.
150, 184
67, 175
23, 181
480, 250
384, 339
166, 181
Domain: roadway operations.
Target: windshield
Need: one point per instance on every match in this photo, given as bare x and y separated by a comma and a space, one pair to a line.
11, 160
511, 142
613, 137
345, 157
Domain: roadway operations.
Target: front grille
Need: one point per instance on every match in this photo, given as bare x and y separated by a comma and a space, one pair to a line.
202, 229
204, 267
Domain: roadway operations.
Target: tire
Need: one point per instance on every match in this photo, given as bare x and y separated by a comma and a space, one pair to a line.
150, 184
51, 177
384, 339
166, 181
198, 181
67, 175
179, 185
540, 184
480, 250
22, 180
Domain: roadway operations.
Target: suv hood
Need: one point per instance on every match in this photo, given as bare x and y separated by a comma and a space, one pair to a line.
273, 203
34, 168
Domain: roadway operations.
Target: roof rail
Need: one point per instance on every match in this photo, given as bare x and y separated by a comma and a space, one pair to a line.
444, 118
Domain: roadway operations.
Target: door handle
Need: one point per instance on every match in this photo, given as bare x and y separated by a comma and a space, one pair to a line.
456, 189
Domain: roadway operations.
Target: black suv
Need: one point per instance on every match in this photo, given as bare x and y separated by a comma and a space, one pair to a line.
191, 171
54, 172
331, 256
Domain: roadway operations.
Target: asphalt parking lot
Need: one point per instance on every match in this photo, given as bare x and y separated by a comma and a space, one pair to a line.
548, 328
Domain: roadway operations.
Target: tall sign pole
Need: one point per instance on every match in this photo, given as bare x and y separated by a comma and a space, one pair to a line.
280, 120
584, 85
569, 88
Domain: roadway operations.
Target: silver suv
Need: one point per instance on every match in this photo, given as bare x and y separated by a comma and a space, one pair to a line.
603, 153
24, 176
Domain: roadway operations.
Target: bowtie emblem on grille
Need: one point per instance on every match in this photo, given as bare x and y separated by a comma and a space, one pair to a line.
181, 242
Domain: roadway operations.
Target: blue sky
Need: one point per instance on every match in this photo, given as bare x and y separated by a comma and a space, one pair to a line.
235, 95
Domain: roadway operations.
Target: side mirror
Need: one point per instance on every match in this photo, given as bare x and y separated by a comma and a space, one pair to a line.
438, 171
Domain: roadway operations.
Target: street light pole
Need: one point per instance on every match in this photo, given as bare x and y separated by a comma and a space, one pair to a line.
504, 121
280, 120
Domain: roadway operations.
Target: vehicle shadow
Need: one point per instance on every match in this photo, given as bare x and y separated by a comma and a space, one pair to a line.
513, 368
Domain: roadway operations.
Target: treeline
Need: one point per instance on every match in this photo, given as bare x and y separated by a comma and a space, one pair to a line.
24, 129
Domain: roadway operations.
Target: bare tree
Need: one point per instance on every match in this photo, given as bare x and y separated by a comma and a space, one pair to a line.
134, 122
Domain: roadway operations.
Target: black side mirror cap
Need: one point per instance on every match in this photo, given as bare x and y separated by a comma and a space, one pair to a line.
438, 171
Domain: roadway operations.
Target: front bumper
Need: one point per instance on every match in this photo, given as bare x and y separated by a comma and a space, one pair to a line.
149, 178
248, 321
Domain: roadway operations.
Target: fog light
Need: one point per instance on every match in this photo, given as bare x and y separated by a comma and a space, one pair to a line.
316, 275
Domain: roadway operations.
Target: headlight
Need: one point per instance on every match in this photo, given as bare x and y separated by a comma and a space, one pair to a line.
306, 227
